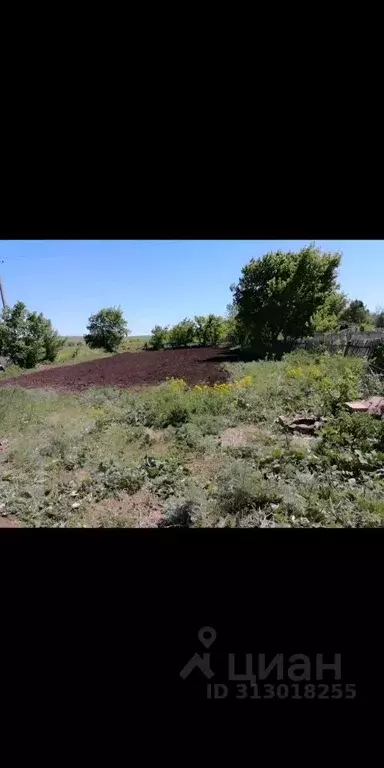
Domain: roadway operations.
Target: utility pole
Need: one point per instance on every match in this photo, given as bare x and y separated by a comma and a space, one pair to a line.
2, 289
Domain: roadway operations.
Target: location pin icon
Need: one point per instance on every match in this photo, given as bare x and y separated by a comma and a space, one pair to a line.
207, 636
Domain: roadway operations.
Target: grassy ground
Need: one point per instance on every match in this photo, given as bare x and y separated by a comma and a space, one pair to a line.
200, 457
76, 351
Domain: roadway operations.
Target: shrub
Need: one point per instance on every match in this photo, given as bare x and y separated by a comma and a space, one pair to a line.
182, 334
107, 329
356, 313
241, 490
159, 337
53, 343
180, 515
28, 338
209, 329
377, 357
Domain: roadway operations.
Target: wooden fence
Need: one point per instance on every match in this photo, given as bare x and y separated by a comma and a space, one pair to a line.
360, 343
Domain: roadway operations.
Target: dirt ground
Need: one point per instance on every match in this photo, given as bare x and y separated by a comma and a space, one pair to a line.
194, 365
6, 522
140, 510
238, 435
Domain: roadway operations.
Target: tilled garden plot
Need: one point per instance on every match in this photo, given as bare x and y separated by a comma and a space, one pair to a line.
196, 366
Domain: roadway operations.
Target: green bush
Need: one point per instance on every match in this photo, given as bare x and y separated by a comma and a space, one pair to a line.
27, 338
107, 329
159, 337
209, 329
379, 319
182, 334
377, 357
242, 490
180, 515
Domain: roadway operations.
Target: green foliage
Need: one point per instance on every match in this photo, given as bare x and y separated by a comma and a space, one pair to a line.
278, 295
328, 316
107, 329
242, 490
113, 476
68, 454
364, 327
180, 515
209, 329
182, 334
377, 317
377, 358
159, 337
233, 331
356, 313
27, 338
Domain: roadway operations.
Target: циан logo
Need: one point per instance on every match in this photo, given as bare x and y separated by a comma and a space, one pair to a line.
297, 673
207, 636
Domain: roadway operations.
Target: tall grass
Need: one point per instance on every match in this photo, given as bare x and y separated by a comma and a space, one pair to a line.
69, 451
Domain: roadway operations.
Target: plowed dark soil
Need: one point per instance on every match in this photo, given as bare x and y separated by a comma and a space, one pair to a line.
194, 365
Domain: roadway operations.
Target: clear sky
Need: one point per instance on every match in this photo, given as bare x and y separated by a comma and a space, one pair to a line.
157, 281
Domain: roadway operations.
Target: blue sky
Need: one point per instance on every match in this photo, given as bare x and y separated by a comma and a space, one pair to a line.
157, 281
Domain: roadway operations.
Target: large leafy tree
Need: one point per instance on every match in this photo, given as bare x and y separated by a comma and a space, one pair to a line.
27, 338
107, 329
278, 295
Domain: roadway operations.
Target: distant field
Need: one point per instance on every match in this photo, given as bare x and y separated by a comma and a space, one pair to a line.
76, 339
136, 340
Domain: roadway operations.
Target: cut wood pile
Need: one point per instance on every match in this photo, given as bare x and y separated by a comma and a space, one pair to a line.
304, 425
375, 406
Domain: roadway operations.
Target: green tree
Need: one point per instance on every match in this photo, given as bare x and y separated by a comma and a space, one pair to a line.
159, 337
209, 329
377, 317
278, 295
233, 331
356, 313
182, 334
107, 329
328, 316
28, 338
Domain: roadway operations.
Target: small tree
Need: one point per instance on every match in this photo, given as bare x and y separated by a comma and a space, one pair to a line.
27, 338
328, 316
209, 329
356, 313
233, 330
378, 317
182, 334
107, 329
159, 337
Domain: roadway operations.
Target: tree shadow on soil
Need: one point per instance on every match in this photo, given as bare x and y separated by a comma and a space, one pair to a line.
249, 354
